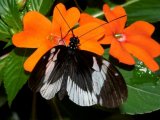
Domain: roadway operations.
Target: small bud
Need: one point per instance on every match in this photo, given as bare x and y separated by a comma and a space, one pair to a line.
21, 4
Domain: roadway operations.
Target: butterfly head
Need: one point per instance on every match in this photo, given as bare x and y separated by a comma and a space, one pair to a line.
73, 44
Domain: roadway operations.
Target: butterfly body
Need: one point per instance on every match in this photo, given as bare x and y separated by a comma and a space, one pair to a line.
73, 45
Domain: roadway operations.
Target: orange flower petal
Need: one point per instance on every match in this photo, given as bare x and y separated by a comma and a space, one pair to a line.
86, 18
140, 27
35, 57
58, 11
67, 19
56, 29
142, 55
117, 51
106, 39
91, 31
30, 21
92, 46
146, 43
34, 32
72, 17
115, 19
26, 40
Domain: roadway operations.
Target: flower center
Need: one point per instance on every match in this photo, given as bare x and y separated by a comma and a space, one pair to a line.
50, 37
120, 37
55, 39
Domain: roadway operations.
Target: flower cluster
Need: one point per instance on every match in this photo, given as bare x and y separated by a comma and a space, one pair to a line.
134, 40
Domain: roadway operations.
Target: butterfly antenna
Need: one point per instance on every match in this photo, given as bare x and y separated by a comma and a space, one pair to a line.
101, 25
75, 1
63, 17
62, 38
65, 22
117, 18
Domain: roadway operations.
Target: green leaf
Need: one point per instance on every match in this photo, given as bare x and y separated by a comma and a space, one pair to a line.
147, 10
4, 31
3, 98
9, 43
142, 98
158, 61
92, 10
14, 76
42, 6
96, 12
2, 65
10, 14
143, 90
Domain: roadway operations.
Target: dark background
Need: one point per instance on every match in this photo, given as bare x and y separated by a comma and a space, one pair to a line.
27, 107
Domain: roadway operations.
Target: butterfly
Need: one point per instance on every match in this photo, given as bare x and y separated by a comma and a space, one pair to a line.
86, 77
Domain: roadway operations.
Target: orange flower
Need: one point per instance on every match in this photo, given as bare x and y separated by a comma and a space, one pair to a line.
40, 33
135, 39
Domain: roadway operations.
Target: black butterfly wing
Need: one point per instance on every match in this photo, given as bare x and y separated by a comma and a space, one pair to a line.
87, 78
41, 76
114, 90
70, 72
79, 83
93, 80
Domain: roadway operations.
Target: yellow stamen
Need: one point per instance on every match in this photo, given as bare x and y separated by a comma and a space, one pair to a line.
120, 37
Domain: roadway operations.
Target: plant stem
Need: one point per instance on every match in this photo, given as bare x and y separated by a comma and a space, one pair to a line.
101, 13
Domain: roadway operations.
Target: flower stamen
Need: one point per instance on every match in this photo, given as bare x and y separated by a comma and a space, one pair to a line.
50, 37
55, 39
120, 37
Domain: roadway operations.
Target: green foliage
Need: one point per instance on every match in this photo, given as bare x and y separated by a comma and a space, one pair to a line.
43, 6
13, 75
2, 64
143, 98
3, 100
147, 10
10, 15
4, 31
143, 90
